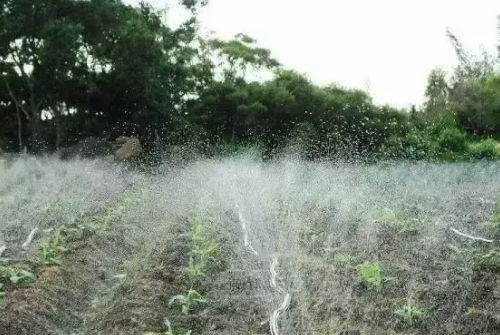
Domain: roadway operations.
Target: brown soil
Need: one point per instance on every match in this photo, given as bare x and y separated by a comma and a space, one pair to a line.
139, 305
57, 295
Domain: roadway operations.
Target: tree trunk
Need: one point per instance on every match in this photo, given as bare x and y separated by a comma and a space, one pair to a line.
34, 134
34, 125
57, 121
19, 129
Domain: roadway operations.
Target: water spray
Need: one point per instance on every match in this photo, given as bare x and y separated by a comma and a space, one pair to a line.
275, 315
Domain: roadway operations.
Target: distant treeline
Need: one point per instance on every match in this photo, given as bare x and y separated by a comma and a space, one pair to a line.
75, 69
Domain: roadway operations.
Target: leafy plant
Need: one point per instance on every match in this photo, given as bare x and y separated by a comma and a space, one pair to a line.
195, 270
22, 277
187, 301
483, 149
51, 250
370, 274
206, 250
203, 249
411, 315
17, 276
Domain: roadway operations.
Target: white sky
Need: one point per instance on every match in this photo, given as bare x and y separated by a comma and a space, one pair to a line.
389, 44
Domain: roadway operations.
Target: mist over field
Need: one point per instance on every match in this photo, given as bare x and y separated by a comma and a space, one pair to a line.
290, 247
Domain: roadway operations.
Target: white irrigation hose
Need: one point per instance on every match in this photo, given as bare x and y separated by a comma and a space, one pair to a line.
30, 238
245, 232
475, 238
275, 315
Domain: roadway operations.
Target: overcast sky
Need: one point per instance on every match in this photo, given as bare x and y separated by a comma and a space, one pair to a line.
389, 44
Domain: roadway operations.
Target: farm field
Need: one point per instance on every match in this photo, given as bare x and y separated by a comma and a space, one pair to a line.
237, 246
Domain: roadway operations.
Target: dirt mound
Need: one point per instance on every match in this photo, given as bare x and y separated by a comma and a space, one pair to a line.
126, 148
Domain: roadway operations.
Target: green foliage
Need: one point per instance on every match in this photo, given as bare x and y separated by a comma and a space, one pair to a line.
187, 301
51, 251
123, 70
440, 141
452, 139
203, 250
483, 149
15, 276
195, 270
411, 315
370, 274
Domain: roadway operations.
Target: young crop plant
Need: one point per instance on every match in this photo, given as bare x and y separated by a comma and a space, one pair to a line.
203, 250
195, 271
370, 274
202, 246
51, 251
187, 301
411, 315
18, 277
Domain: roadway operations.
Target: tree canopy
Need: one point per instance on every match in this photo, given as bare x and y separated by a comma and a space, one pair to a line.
71, 69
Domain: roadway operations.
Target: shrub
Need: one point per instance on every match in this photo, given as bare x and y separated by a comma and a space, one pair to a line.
483, 149
452, 139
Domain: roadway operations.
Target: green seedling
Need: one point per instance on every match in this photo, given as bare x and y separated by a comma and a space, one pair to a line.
195, 270
207, 250
203, 249
22, 277
187, 301
370, 274
411, 315
50, 251
17, 276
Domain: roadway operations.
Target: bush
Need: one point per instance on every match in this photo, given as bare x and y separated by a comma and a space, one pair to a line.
452, 139
483, 149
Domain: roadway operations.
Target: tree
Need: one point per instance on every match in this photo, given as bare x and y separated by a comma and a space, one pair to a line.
436, 105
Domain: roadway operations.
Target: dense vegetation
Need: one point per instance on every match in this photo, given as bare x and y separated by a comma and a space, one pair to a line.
72, 69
